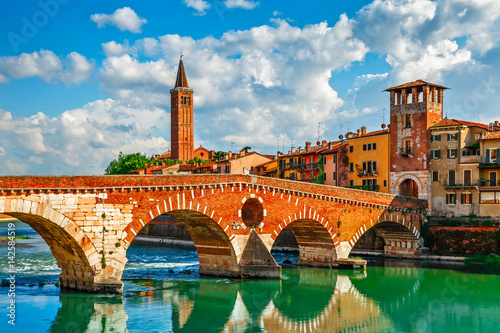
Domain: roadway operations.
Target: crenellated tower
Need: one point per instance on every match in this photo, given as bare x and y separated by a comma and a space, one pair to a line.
415, 106
181, 117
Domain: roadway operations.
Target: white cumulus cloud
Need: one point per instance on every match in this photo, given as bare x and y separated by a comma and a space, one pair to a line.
244, 4
75, 68
124, 19
201, 6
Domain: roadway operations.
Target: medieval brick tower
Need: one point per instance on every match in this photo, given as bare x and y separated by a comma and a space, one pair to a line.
181, 117
415, 106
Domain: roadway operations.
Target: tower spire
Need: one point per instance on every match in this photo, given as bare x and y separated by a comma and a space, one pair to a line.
181, 81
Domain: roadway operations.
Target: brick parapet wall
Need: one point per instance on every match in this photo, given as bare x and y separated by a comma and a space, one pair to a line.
90, 183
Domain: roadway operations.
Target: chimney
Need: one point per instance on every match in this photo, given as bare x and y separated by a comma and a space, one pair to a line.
308, 146
363, 130
323, 143
293, 150
330, 144
359, 132
299, 149
229, 155
162, 163
242, 152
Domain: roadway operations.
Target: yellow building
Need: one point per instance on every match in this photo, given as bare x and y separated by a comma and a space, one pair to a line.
489, 174
369, 160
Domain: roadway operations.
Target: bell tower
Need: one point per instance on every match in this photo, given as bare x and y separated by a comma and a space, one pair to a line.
181, 117
415, 106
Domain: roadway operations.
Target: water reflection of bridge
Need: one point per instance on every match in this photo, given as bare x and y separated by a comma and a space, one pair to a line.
310, 300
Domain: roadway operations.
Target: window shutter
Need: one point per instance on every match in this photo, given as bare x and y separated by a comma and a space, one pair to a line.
438, 152
488, 156
433, 154
439, 137
448, 137
463, 198
470, 198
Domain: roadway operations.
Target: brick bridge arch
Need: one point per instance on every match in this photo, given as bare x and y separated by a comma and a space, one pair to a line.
111, 210
73, 250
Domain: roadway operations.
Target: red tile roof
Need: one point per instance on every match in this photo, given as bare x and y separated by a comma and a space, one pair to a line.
456, 122
491, 136
417, 83
385, 131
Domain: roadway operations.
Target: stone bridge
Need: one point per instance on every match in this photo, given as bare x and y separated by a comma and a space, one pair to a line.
90, 221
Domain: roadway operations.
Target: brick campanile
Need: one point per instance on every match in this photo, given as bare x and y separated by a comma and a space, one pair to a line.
415, 106
181, 117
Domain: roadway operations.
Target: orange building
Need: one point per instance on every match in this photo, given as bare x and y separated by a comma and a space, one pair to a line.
369, 160
181, 117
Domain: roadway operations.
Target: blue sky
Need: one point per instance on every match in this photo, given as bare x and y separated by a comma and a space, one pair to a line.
81, 81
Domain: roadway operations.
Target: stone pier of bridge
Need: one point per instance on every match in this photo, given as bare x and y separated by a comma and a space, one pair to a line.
89, 222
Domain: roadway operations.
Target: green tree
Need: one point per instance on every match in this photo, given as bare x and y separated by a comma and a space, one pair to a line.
218, 154
126, 163
247, 148
196, 159
321, 176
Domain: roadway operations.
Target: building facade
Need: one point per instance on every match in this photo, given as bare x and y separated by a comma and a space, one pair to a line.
455, 157
489, 175
414, 108
336, 164
369, 160
181, 117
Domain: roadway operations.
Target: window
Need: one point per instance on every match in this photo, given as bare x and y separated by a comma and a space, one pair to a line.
466, 198
467, 177
490, 197
435, 154
374, 166
334, 176
364, 147
385, 183
351, 167
324, 176
491, 155
451, 198
477, 136
452, 153
335, 158
219, 169
407, 120
435, 176
435, 138
452, 137
451, 177
374, 146
493, 178
408, 147
351, 182
369, 146
351, 149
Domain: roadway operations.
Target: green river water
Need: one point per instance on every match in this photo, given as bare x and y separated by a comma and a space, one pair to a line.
164, 293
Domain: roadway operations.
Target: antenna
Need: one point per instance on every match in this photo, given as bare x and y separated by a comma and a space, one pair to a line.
340, 129
383, 118
283, 144
232, 143
291, 142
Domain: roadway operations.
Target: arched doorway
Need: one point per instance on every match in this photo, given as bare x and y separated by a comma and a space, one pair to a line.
409, 188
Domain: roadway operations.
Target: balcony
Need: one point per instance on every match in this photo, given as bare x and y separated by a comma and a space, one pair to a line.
288, 166
473, 184
367, 174
484, 165
470, 158
489, 183
308, 167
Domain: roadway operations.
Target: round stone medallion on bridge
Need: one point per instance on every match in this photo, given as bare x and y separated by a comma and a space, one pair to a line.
252, 213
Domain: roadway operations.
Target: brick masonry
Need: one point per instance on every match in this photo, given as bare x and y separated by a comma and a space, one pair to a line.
90, 221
